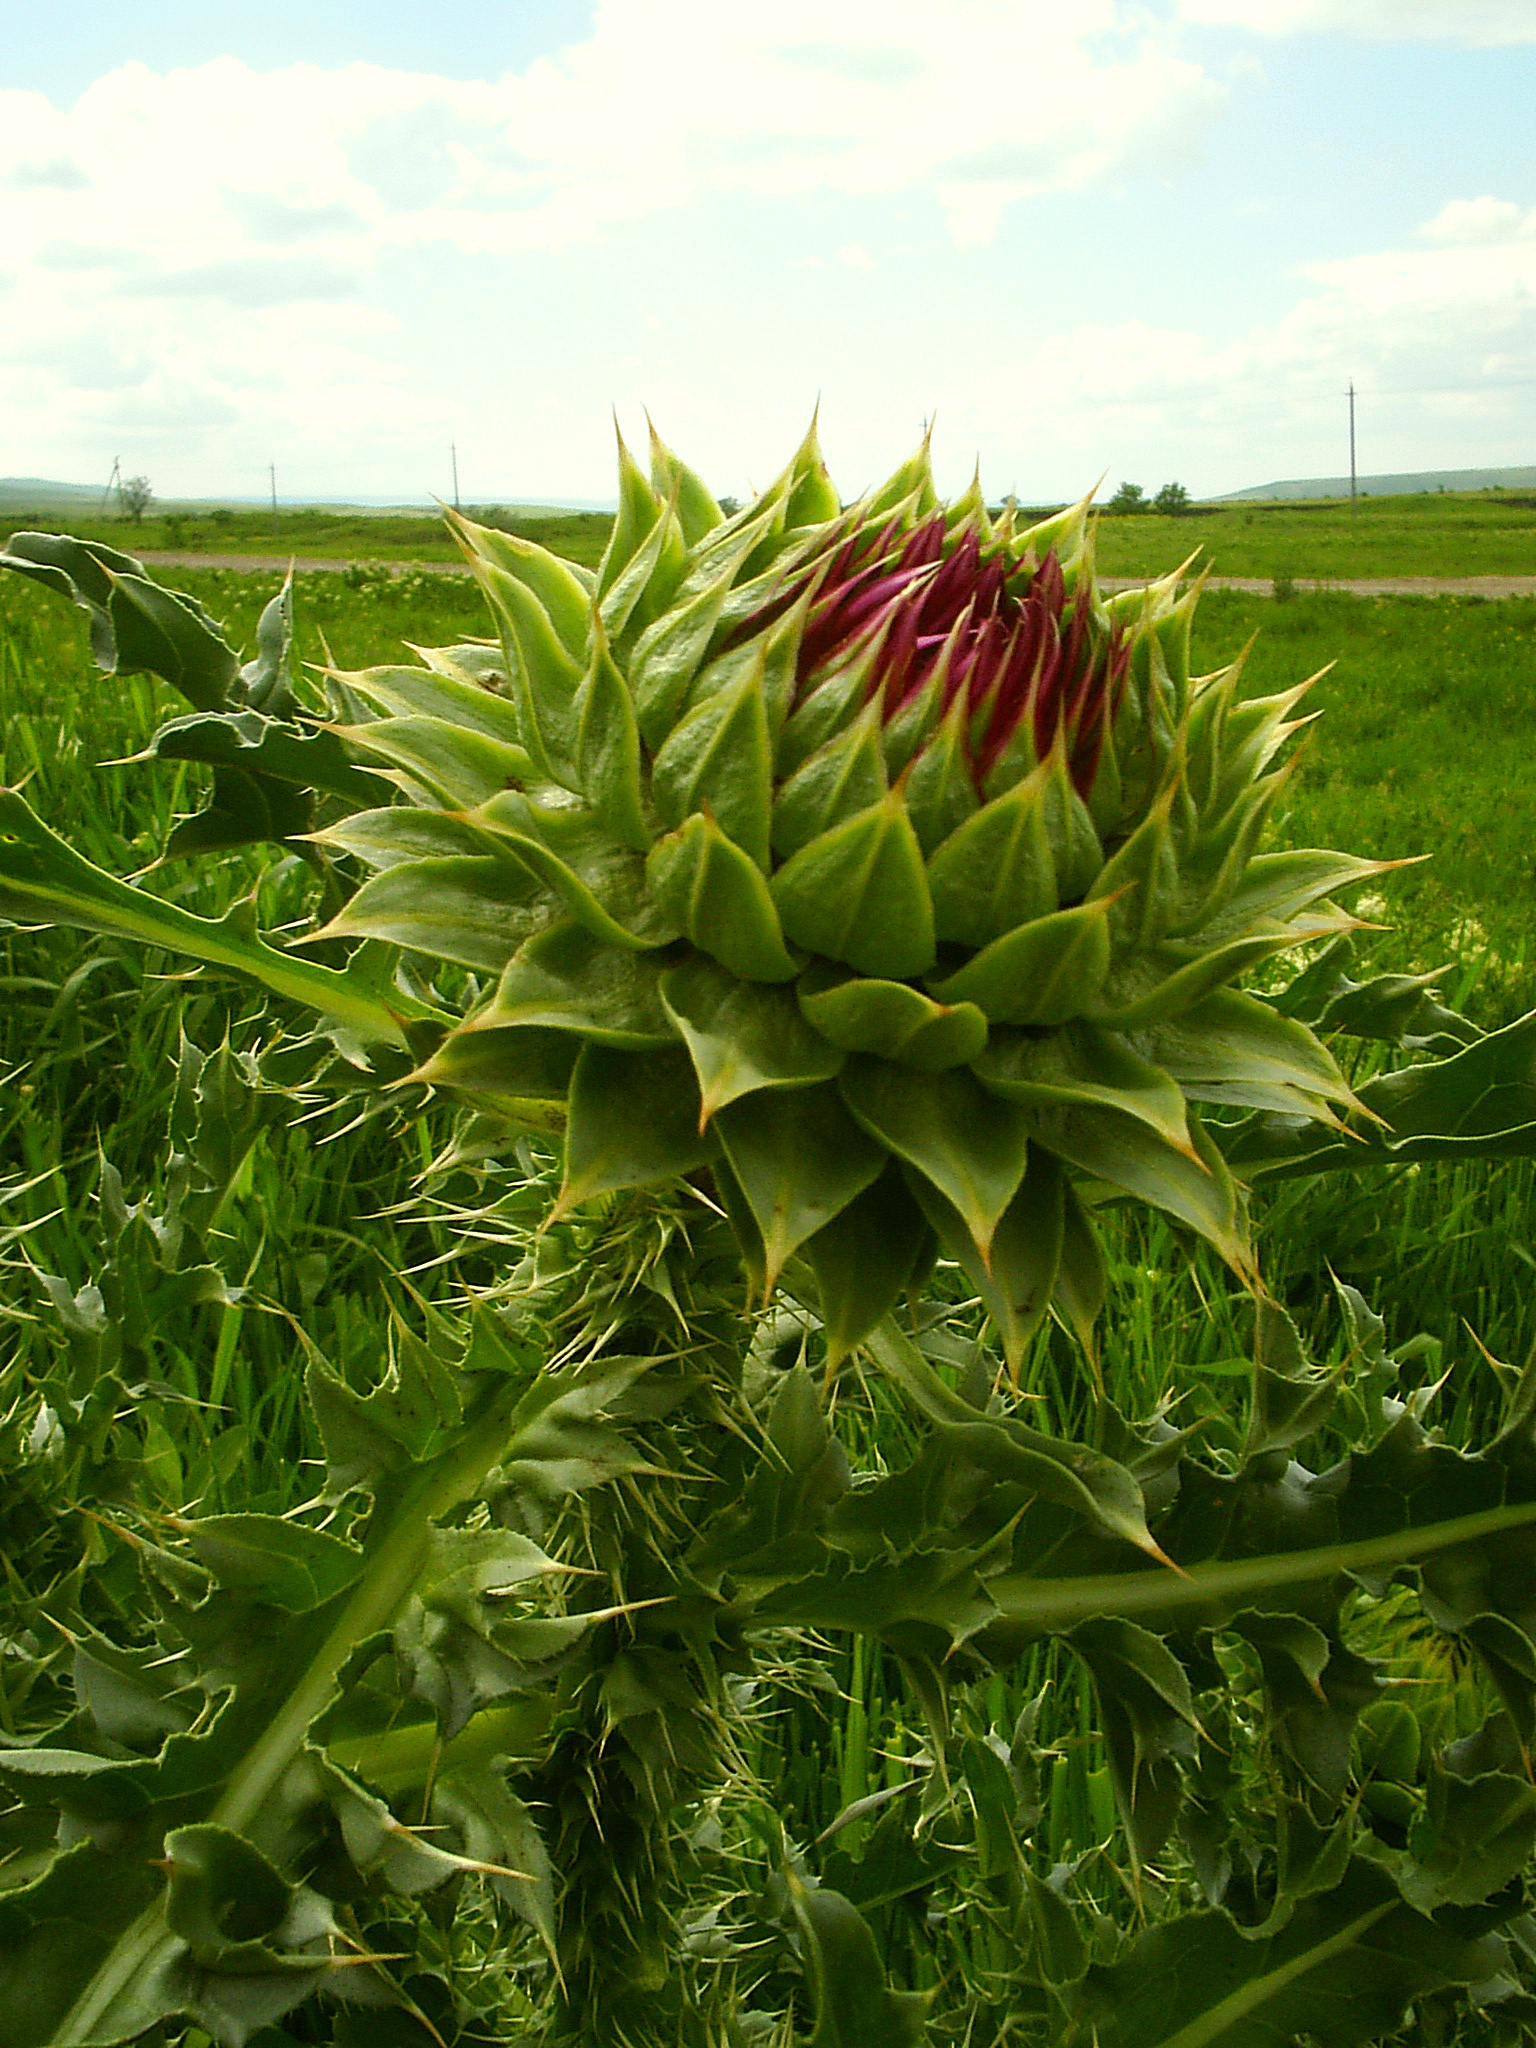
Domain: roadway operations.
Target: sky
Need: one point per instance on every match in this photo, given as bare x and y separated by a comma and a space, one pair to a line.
1145, 240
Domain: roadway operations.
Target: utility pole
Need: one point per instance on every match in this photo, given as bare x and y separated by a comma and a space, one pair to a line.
1351, 444
272, 472
114, 482
453, 447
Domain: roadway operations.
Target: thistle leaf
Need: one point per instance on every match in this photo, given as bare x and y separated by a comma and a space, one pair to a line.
667, 658
890, 1018
643, 590
259, 745
1127, 1154
864, 1259
1278, 886
845, 776
44, 881
743, 1035
521, 1063
697, 511
1480, 1103
1141, 882
719, 758
800, 1159
136, 625
602, 883
568, 979
1085, 1481
818, 718
608, 748
813, 500
1148, 1722
558, 585
544, 673
1082, 1064
859, 894
940, 793
454, 766
717, 897
1018, 1277
242, 810
475, 910
639, 509
633, 1118
1341, 1969
394, 833
1160, 985
855, 2007
995, 872
1081, 1284
431, 693
970, 1146
497, 1833
1044, 973
1232, 1048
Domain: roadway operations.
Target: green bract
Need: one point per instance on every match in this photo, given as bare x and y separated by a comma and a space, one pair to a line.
873, 861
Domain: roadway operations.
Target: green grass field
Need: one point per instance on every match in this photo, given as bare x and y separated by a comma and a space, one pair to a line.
1487, 533
1420, 749
321, 534
1484, 533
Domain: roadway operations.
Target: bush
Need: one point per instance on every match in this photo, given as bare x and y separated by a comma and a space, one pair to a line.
134, 495
1129, 498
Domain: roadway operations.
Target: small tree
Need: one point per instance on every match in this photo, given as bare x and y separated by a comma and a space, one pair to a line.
1172, 498
1129, 498
729, 506
134, 495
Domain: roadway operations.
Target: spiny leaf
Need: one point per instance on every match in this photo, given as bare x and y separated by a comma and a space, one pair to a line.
135, 623
864, 1259
743, 1035
566, 978
970, 1146
44, 881
474, 909
633, 1118
716, 895
890, 1018
858, 894
1044, 973
1341, 1970
800, 1159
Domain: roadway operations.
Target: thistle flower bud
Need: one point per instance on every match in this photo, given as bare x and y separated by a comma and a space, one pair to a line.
872, 860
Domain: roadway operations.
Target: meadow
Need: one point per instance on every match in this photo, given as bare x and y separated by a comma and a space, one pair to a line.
1452, 534
319, 1240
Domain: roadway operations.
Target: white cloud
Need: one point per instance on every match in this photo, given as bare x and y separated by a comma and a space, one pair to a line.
275, 233
1475, 22
1484, 220
992, 100
1439, 341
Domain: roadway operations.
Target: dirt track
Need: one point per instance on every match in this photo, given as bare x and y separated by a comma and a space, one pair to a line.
1259, 586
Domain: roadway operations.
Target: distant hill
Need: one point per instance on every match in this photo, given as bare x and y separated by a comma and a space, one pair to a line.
42, 494
1390, 486
38, 494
